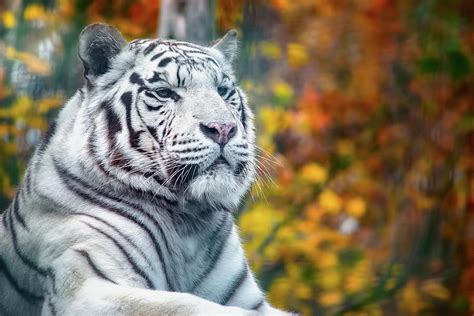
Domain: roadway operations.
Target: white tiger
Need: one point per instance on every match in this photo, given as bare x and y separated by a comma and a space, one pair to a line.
126, 206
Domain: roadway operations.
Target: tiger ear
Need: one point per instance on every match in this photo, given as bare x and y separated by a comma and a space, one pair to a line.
98, 43
228, 46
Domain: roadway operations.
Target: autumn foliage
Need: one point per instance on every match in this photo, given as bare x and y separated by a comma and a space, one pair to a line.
364, 204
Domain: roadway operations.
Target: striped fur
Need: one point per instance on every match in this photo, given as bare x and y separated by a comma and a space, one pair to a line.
123, 209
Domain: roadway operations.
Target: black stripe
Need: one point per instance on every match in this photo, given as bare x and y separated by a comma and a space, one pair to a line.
28, 182
150, 94
209, 59
4, 219
164, 62
258, 304
169, 127
132, 263
127, 99
135, 78
151, 107
51, 307
52, 275
93, 265
115, 229
178, 76
98, 162
27, 261
47, 136
66, 176
157, 55
243, 116
190, 150
151, 195
235, 284
150, 48
232, 92
156, 77
113, 123
133, 136
189, 53
16, 211
154, 135
27, 295
220, 236
186, 44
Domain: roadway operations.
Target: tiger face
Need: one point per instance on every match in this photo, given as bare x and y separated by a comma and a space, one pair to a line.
170, 115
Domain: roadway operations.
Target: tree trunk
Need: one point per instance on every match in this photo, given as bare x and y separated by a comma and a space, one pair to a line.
191, 20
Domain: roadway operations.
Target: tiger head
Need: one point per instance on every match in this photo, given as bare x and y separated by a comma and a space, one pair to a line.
168, 115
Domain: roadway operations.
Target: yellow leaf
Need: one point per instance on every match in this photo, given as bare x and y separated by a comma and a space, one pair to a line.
302, 291
270, 50
356, 207
345, 147
330, 201
49, 103
274, 119
269, 117
436, 290
297, 55
330, 298
9, 20
266, 142
283, 92
353, 283
4, 129
410, 299
328, 260
280, 290
66, 8
34, 12
257, 222
34, 64
10, 52
37, 122
19, 109
329, 279
314, 173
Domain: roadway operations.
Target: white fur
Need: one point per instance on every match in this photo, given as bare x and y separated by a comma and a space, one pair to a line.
83, 228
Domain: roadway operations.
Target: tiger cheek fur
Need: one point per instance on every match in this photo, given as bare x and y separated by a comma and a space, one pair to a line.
126, 205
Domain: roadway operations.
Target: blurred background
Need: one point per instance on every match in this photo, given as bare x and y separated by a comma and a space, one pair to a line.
364, 204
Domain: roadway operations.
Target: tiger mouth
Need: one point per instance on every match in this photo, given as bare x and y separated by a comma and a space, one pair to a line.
219, 161
180, 180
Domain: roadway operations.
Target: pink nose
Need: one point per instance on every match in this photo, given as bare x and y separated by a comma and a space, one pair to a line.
221, 133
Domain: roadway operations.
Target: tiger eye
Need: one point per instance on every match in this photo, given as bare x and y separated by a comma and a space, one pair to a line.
222, 91
165, 93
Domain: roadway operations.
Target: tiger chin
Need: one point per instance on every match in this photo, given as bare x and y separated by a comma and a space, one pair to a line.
126, 205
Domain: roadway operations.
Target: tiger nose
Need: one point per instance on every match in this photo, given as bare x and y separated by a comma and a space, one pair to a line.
219, 132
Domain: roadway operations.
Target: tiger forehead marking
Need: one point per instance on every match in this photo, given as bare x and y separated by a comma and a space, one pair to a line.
165, 58
177, 119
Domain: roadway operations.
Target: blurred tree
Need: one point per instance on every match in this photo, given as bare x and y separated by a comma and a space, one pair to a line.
192, 21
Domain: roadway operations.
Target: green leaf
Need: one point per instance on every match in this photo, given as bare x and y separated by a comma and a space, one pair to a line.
466, 123
429, 65
459, 65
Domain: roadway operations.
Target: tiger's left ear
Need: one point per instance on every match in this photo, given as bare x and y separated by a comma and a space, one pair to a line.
98, 44
228, 46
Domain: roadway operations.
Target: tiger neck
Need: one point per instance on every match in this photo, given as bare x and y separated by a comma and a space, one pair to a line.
199, 233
